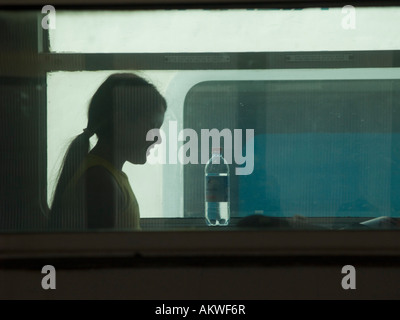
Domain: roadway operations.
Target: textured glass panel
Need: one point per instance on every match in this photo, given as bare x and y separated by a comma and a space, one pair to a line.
311, 29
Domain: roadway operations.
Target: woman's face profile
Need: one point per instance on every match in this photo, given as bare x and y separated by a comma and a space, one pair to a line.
133, 143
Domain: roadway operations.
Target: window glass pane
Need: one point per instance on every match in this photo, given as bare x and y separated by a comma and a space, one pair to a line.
311, 140
322, 148
311, 29
324, 142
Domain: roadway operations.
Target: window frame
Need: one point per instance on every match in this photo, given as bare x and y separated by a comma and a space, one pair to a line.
175, 243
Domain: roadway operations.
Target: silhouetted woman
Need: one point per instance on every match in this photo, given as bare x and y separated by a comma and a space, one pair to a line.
92, 190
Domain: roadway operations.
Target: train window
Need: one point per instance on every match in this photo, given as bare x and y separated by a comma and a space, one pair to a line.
306, 119
325, 151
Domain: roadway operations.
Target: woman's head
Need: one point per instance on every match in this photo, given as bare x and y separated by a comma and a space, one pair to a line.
123, 109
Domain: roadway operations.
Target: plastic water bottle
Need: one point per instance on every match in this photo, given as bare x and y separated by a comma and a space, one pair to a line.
217, 197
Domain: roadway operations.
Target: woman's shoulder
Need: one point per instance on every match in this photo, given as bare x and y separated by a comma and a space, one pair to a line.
99, 179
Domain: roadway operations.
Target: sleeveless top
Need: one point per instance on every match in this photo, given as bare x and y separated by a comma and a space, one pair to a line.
72, 214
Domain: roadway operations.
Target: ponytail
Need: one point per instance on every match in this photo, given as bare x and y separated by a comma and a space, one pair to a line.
74, 156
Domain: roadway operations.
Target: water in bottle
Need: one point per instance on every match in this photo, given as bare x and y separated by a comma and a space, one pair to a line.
217, 198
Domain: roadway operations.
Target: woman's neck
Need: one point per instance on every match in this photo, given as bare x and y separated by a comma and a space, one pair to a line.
106, 151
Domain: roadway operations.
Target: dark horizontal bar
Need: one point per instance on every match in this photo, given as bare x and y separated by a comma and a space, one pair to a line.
265, 243
30, 64
202, 261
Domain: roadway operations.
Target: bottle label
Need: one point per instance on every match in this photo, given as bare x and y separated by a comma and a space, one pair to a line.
216, 188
